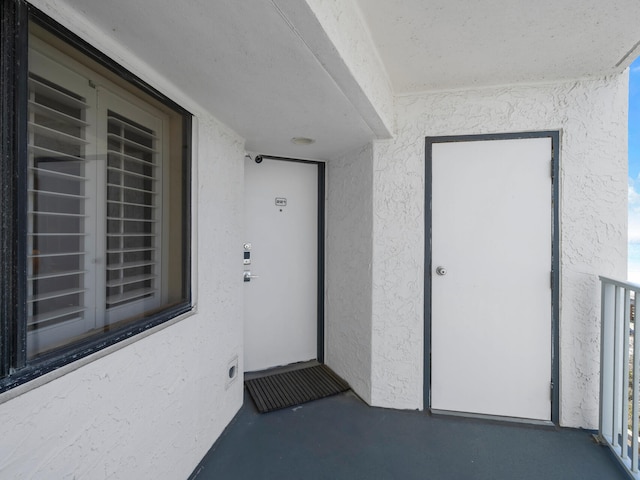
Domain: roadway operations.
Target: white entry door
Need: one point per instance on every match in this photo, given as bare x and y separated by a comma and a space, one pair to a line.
491, 303
281, 226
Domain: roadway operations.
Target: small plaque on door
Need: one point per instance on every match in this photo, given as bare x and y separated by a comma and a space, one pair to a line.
281, 202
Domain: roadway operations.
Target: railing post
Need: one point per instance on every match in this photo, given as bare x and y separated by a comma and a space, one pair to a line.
606, 362
625, 374
616, 396
634, 394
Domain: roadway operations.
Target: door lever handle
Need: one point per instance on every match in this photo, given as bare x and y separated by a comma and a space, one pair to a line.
247, 276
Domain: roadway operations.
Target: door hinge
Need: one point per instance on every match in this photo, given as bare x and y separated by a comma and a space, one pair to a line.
551, 280
552, 172
551, 391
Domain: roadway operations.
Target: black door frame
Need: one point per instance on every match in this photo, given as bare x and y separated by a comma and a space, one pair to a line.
555, 254
321, 245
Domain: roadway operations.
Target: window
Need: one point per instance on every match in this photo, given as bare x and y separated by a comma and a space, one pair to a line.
100, 212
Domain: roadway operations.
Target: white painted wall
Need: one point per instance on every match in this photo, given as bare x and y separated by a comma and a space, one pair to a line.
153, 408
592, 116
348, 268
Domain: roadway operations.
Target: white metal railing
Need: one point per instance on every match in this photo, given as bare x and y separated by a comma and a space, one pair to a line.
619, 372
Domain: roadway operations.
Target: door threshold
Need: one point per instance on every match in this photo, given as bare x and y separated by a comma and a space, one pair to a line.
494, 418
280, 369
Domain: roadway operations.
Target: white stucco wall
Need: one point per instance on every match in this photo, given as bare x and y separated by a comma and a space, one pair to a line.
348, 268
153, 408
591, 116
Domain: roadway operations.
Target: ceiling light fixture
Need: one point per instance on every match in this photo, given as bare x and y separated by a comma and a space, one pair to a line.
302, 141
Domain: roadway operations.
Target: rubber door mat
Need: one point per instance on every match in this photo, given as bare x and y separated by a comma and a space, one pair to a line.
282, 390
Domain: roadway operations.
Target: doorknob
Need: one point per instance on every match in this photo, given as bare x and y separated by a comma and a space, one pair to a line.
247, 276
441, 271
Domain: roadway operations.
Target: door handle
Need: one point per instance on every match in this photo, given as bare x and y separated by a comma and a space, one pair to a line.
247, 276
441, 271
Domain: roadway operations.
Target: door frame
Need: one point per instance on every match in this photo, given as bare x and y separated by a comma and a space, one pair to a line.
321, 245
554, 135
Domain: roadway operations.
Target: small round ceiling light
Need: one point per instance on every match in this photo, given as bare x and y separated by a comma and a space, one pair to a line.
302, 141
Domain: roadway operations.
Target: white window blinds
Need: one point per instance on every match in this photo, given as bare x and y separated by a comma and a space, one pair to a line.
132, 217
56, 207
94, 204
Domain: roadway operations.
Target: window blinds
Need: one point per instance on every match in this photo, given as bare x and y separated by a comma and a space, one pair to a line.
132, 240
56, 206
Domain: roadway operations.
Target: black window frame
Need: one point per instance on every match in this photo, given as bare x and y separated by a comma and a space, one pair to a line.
15, 369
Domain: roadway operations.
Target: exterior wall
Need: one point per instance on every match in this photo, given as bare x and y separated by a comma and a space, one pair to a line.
152, 408
592, 118
348, 268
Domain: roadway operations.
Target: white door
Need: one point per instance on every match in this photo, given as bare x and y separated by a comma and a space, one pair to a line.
491, 307
281, 224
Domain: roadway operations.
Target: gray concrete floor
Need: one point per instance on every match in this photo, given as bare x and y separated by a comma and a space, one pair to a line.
340, 437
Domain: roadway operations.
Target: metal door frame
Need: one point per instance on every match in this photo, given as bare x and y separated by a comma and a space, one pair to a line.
321, 245
555, 254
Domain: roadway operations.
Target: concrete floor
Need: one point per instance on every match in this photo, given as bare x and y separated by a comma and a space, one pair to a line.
340, 437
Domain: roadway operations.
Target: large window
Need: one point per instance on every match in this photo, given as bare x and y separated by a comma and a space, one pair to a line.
100, 204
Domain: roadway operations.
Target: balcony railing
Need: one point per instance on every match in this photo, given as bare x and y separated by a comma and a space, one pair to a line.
619, 372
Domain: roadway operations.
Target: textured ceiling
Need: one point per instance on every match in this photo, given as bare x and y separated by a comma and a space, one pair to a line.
444, 44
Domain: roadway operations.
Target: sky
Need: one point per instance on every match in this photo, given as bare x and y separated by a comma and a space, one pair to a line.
634, 172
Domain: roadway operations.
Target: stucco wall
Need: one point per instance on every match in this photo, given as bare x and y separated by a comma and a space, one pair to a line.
153, 408
348, 268
591, 116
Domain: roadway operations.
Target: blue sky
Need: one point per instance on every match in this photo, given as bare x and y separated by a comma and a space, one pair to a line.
634, 172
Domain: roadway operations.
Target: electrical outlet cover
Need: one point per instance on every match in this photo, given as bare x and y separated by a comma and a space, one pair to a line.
232, 372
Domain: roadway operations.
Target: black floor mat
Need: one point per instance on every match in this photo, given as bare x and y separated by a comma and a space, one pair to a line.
282, 390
